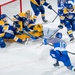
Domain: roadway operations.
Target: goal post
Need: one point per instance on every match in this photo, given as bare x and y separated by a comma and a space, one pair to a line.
11, 7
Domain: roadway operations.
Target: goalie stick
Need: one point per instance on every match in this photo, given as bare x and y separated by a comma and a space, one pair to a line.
9, 18
31, 36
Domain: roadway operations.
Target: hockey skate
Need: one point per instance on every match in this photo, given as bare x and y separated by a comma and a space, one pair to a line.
72, 39
24, 41
56, 64
45, 21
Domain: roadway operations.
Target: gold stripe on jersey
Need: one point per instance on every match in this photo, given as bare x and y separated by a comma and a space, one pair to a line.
62, 17
34, 2
34, 17
22, 14
2, 34
65, 11
6, 28
30, 25
42, 14
69, 32
15, 38
1, 22
42, 1
21, 26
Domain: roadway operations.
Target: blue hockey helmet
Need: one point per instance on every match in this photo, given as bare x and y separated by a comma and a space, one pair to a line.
59, 35
69, 6
3, 16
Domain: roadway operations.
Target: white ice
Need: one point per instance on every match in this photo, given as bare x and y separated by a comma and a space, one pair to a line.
31, 59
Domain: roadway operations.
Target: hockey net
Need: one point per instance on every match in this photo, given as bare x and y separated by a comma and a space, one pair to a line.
10, 7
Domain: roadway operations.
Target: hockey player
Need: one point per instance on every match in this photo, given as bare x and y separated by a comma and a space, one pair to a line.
24, 23
68, 19
22, 20
27, 22
59, 51
62, 3
37, 6
5, 33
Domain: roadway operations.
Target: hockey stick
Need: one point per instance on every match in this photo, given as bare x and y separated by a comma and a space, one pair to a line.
50, 21
54, 11
9, 18
31, 36
50, 44
55, 32
71, 53
67, 51
54, 18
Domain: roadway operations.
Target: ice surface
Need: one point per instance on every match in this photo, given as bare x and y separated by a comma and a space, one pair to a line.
31, 59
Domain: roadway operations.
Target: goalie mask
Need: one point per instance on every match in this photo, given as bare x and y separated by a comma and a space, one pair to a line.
28, 14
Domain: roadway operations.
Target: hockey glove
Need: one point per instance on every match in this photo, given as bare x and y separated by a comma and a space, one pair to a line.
45, 41
60, 12
60, 26
49, 6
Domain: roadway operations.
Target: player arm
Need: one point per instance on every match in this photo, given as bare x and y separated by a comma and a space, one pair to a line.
62, 18
47, 4
8, 27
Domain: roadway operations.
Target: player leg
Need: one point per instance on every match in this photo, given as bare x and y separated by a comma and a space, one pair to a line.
11, 36
73, 25
56, 55
35, 10
66, 60
69, 29
56, 64
2, 43
42, 10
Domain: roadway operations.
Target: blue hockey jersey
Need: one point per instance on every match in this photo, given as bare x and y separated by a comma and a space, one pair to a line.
62, 3
58, 44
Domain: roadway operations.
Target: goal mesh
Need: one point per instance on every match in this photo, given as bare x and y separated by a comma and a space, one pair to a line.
11, 7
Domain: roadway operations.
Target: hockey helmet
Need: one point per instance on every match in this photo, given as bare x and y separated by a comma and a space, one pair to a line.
28, 13
3, 16
69, 6
59, 35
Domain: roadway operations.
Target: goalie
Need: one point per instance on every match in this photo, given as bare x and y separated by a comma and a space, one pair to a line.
25, 22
